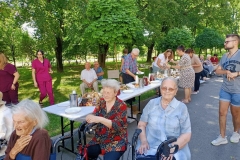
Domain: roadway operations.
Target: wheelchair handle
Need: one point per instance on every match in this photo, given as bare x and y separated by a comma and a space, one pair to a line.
170, 140
165, 148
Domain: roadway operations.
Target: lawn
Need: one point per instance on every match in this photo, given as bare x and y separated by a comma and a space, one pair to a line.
63, 84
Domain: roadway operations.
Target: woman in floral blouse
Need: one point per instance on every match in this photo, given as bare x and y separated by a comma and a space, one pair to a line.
111, 117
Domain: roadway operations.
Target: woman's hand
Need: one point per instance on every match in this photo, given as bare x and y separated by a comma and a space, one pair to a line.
20, 144
93, 119
35, 84
13, 87
143, 147
167, 158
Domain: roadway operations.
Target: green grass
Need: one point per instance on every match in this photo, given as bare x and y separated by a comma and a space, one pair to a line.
63, 84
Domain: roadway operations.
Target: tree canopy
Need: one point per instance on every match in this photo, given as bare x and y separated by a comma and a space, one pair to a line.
73, 29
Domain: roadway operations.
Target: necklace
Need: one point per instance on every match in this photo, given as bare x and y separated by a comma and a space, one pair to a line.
230, 57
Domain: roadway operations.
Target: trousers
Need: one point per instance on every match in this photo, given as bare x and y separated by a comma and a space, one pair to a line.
95, 150
45, 88
11, 96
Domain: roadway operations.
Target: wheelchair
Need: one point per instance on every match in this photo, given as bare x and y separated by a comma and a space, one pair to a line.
82, 146
53, 155
162, 151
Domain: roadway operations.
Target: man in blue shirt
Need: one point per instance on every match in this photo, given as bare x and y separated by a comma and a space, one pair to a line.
98, 70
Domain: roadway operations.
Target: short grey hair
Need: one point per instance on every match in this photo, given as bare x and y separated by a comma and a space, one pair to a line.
172, 79
209, 55
135, 50
32, 111
112, 83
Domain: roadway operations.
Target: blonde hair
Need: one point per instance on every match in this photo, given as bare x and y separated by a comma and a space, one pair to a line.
3, 61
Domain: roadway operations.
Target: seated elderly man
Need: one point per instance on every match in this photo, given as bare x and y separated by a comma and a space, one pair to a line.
98, 70
164, 117
6, 123
89, 78
29, 140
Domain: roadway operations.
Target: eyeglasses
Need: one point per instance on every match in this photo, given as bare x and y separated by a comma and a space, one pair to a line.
168, 89
226, 42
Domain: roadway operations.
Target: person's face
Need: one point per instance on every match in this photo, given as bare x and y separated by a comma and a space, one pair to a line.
134, 55
168, 89
190, 54
230, 43
109, 94
208, 57
96, 65
87, 65
39, 55
179, 52
22, 124
169, 54
201, 57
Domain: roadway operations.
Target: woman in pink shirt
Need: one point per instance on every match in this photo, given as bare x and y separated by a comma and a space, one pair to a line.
8, 81
41, 70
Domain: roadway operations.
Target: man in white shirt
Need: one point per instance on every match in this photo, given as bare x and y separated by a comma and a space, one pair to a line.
89, 78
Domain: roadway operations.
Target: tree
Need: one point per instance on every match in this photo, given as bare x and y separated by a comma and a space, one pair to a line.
111, 22
178, 36
49, 19
157, 17
209, 39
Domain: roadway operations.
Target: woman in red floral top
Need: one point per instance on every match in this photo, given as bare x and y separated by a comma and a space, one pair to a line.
111, 117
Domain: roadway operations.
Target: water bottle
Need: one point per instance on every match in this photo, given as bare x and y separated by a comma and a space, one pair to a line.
73, 99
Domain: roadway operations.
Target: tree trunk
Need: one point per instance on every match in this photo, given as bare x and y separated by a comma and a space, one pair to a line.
58, 53
13, 54
149, 53
103, 49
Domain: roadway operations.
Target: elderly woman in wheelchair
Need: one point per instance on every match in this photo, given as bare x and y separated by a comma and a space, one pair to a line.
29, 140
164, 117
111, 124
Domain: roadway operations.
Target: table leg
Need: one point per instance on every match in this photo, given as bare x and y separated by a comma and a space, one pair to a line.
71, 128
139, 103
62, 130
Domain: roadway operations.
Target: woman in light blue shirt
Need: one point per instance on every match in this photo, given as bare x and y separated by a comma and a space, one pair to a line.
163, 117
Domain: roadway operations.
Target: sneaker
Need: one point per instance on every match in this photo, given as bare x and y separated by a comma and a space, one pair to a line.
235, 137
195, 92
220, 140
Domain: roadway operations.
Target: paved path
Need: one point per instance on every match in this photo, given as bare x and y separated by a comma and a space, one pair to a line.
203, 112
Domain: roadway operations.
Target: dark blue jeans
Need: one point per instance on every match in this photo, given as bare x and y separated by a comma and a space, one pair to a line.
94, 151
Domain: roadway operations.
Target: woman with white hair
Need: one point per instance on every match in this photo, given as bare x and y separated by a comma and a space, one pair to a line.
6, 123
111, 130
29, 139
161, 118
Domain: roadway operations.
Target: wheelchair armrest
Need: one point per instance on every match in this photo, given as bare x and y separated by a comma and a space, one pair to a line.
54, 148
82, 126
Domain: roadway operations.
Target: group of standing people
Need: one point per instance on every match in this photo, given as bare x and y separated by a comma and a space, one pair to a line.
9, 76
189, 65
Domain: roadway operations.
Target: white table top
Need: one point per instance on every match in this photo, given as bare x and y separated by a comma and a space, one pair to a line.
138, 91
59, 109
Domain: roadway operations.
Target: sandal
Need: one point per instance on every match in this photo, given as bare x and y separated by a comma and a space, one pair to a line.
185, 101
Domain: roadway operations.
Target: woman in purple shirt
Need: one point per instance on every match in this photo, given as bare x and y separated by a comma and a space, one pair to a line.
41, 70
8, 81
